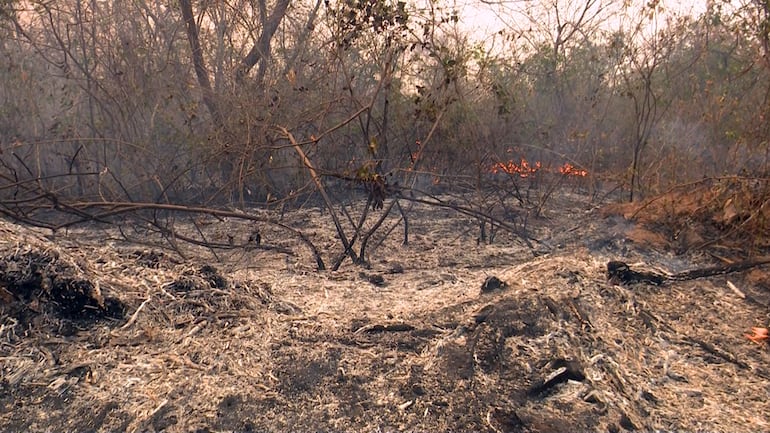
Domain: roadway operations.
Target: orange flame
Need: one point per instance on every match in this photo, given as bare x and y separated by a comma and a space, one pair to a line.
570, 170
525, 169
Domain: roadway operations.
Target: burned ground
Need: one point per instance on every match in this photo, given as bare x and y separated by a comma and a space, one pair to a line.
258, 340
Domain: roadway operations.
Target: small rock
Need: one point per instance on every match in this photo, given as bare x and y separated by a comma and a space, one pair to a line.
483, 313
376, 279
493, 283
560, 371
395, 268
627, 424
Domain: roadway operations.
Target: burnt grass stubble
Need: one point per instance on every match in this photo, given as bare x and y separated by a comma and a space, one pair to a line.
510, 356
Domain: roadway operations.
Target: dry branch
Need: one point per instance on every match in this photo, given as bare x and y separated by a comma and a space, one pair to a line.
319, 185
435, 201
121, 208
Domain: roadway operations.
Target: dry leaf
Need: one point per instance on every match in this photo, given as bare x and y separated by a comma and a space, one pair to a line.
759, 336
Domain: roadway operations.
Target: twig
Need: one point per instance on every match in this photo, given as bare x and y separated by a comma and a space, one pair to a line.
203, 236
133, 317
736, 290
349, 250
375, 227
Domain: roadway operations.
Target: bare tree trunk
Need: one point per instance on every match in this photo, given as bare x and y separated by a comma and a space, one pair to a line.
198, 63
261, 49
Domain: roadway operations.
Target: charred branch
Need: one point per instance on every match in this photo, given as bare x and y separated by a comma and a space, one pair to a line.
106, 212
621, 273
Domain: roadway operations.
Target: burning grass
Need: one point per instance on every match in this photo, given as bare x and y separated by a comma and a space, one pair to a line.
525, 169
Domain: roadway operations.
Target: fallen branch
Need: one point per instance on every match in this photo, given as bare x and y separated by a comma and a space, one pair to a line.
435, 201
620, 272
119, 208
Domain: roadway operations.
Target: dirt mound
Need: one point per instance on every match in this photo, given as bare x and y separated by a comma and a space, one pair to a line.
41, 281
728, 213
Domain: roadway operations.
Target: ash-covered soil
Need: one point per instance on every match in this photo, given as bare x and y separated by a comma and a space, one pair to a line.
254, 338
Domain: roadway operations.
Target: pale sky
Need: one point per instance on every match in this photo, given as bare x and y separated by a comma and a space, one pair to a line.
483, 19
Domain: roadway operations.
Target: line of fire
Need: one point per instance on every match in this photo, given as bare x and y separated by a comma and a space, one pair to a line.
526, 169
